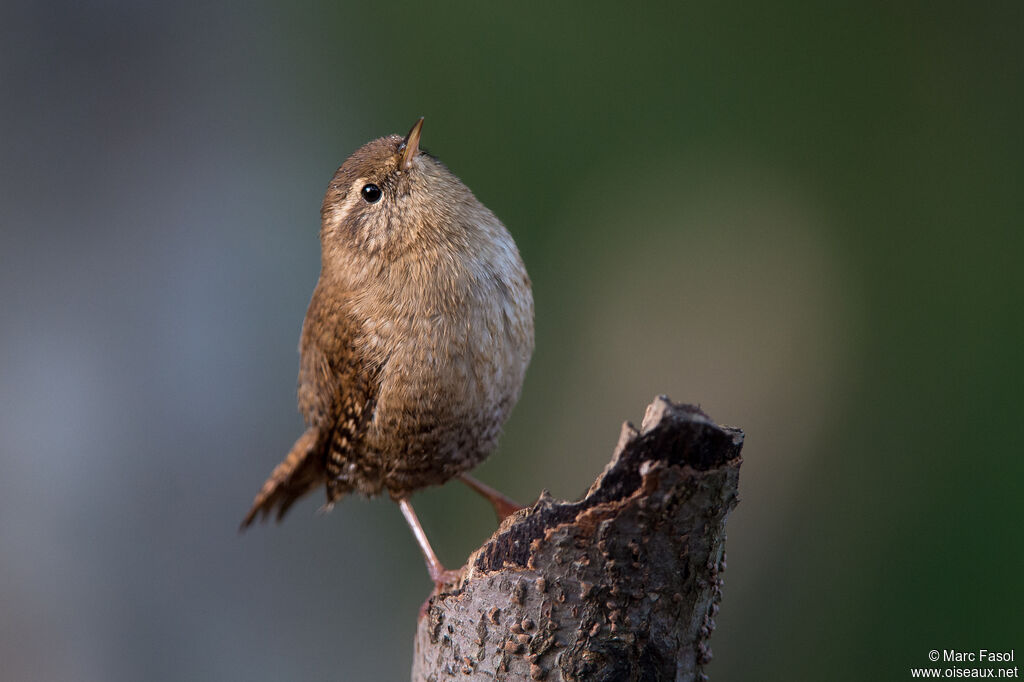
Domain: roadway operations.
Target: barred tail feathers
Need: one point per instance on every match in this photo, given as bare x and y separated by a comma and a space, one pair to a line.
300, 472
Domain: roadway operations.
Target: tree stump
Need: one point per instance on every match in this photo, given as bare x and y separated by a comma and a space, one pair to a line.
621, 585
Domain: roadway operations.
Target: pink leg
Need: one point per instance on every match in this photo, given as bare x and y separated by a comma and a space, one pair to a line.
438, 574
503, 506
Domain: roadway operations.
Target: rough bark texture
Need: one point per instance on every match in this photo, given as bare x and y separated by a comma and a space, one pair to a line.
621, 585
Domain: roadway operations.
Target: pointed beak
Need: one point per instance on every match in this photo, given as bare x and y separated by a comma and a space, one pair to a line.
411, 146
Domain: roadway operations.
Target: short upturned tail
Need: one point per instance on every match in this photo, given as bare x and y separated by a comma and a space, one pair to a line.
300, 472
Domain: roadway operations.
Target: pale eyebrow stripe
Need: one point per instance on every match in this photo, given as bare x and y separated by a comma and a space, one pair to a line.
351, 197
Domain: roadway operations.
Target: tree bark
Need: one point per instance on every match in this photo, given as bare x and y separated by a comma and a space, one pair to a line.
621, 585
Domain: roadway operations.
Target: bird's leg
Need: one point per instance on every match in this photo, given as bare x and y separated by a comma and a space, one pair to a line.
503, 506
438, 574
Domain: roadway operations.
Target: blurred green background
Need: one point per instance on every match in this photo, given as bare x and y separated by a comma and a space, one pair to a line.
807, 219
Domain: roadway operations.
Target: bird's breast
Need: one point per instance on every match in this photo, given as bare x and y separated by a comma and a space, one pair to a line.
453, 346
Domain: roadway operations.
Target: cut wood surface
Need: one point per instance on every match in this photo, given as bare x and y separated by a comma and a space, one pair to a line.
623, 584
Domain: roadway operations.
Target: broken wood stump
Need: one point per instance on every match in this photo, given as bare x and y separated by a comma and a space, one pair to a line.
623, 584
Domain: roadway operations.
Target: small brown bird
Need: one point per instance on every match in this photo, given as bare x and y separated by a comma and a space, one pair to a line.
416, 340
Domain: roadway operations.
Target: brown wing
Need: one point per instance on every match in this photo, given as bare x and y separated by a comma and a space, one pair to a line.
336, 396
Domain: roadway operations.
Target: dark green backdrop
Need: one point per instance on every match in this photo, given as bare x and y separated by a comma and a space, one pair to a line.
807, 219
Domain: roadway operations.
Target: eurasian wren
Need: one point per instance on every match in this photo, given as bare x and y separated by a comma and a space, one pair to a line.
416, 339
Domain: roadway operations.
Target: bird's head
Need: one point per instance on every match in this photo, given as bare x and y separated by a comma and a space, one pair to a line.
390, 196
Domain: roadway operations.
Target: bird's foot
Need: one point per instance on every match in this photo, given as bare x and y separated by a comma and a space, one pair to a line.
503, 506
442, 578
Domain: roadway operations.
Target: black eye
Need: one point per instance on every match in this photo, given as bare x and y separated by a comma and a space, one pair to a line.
371, 193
